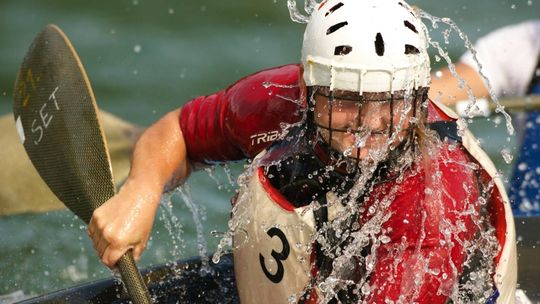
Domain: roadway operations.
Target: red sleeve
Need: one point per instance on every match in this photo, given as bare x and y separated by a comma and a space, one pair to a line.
245, 118
428, 231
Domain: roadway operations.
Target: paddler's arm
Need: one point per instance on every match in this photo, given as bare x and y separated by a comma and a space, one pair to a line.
125, 221
445, 87
233, 124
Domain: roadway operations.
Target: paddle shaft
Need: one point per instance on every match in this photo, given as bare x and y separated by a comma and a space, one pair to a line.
527, 103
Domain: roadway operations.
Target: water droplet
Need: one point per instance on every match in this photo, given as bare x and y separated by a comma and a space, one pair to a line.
366, 289
507, 155
385, 239
513, 6
137, 48
482, 201
434, 271
526, 205
171, 11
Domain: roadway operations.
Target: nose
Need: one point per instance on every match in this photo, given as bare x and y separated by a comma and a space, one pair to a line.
375, 119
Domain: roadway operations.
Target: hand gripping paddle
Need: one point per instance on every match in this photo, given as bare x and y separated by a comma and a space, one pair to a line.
56, 118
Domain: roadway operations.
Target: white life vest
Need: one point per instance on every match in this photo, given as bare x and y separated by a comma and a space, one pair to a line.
272, 248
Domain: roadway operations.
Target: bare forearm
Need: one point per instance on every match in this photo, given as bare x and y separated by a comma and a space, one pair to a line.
125, 221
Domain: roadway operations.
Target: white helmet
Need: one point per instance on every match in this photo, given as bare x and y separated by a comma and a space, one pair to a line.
365, 46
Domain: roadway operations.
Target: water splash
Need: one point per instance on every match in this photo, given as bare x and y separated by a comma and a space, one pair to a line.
298, 16
507, 155
211, 171
230, 175
238, 220
198, 215
468, 44
435, 22
173, 226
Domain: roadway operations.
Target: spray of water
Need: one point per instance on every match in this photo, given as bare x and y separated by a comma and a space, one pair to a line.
198, 215
296, 15
238, 220
468, 44
435, 21
173, 226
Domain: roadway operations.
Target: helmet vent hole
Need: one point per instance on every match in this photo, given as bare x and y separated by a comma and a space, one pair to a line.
379, 44
410, 26
336, 27
410, 49
342, 50
334, 8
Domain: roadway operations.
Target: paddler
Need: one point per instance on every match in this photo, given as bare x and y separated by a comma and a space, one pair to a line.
361, 189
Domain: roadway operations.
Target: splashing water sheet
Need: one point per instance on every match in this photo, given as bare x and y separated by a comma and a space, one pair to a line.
173, 225
198, 215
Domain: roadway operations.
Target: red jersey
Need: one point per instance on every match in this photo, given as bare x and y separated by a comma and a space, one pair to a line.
244, 119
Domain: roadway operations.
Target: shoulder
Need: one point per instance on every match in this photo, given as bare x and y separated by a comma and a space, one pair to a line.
275, 89
276, 77
260, 104
245, 118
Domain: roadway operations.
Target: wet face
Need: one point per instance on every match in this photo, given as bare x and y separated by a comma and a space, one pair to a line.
362, 127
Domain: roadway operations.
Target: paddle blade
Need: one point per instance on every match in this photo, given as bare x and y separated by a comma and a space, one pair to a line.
56, 118
23, 190
55, 114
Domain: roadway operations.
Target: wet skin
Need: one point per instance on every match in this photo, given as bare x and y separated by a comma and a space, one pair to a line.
362, 128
